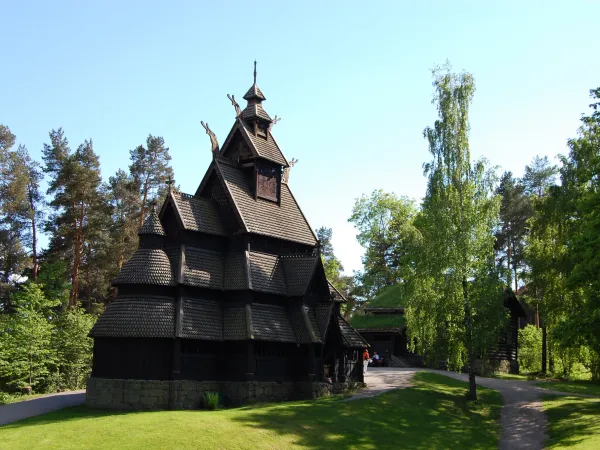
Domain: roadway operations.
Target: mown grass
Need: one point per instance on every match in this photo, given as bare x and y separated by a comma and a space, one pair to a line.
573, 422
586, 387
434, 414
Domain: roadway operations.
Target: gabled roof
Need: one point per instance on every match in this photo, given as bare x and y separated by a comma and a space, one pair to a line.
271, 323
266, 272
152, 225
198, 214
298, 272
264, 148
283, 221
146, 266
350, 336
337, 295
137, 316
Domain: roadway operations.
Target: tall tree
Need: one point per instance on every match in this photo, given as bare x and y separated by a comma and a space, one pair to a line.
455, 308
150, 169
79, 203
581, 221
123, 197
385, 230
332, 265
515, 210
539, 176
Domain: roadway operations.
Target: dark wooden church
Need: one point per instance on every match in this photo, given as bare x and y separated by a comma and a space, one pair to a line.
226, 292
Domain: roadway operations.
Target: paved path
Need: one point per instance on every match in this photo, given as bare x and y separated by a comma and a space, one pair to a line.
523, 420
40, 405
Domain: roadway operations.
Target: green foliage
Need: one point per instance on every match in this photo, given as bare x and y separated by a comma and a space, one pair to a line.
211, 400
515, 210
26, 346
385, 229
332, 265
530, 349
455, 307
74, 347
377, 321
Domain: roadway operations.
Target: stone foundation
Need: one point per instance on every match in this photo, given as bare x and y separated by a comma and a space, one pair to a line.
183, 394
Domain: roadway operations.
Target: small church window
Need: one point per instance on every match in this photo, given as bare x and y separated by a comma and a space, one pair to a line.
262, 129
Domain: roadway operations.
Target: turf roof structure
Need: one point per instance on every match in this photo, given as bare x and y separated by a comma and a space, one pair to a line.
227, 283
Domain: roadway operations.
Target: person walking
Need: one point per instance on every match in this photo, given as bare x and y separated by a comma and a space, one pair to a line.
366, 360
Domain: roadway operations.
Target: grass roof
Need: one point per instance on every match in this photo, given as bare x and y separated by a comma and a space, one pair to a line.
377, 321
388, 297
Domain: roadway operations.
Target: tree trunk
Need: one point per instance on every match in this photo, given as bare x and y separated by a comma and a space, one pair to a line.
470, 351
544, 350
34, 246
143, 205
77, 256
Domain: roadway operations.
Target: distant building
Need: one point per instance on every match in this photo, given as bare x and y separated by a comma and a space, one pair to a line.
226, 292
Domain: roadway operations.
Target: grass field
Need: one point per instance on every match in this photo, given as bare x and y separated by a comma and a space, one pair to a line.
573, 422
432, 415
577, 387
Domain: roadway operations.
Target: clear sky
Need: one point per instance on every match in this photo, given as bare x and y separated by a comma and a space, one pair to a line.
350, 80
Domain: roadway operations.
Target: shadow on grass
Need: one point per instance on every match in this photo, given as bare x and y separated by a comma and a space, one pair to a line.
434, 414
572, 420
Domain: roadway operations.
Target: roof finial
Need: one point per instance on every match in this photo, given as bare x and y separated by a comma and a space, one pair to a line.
254, 71
213, 139
153, 205
170, 182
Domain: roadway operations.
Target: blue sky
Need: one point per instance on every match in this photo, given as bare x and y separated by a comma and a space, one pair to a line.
351, 82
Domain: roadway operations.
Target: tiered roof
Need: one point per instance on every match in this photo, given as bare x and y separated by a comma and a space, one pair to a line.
204, 257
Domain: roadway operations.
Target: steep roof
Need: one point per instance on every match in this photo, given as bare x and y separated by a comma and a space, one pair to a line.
264, 148
266, 273
298, 272
146, 266
350, 336
254, 92
283, 221
255, 111
198, 214
152, 225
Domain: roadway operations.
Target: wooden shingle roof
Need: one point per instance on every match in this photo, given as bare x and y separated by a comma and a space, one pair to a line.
264, 148
202, 319
350, 336
152, 225
254, 92
266, 272
198, 214
271, 323
255, 111
146, 266
284, 221
298, 272
137, 316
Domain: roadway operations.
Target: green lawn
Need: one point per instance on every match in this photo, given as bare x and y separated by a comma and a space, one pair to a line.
519, 377
432, 415
577, 387
573, 422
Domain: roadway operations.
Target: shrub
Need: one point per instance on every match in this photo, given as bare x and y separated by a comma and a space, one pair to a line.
530, 349
5, 398
211, 400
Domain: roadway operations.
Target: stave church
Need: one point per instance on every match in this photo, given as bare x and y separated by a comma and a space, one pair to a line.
226, 292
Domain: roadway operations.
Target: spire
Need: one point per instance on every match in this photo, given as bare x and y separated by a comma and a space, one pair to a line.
152, 225
254, 94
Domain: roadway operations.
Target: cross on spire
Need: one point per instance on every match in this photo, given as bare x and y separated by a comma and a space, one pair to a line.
170, 182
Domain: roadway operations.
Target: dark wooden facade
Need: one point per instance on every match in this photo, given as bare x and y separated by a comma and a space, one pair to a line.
228, 284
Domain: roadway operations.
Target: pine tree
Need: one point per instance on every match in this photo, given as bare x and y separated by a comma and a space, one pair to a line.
80, 207
150, 170
515, 210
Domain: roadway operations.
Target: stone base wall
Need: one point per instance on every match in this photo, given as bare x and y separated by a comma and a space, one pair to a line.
183, 394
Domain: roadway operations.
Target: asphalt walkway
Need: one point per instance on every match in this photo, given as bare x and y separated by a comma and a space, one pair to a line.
522, 417
40, 405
